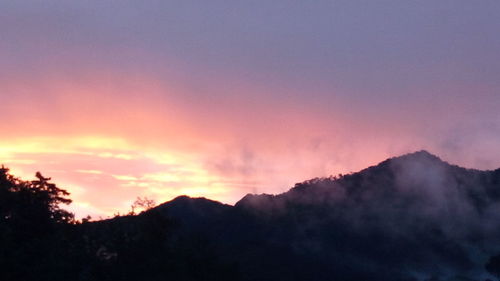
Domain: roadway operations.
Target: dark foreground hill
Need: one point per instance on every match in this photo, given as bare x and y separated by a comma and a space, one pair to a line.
413, 217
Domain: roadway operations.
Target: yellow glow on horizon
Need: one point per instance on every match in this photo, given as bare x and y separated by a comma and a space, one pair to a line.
124, 178
162, 177
61, 145
97, 171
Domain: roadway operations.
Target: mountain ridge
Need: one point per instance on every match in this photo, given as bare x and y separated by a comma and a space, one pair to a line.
420, 155
411, 217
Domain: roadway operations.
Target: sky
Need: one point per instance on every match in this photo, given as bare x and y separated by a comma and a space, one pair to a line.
120, 99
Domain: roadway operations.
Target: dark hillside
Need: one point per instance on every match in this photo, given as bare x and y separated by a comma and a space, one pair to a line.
413, 217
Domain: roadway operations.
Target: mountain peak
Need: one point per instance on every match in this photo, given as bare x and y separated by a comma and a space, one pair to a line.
254, 200
187, 201
421, 155
191, 207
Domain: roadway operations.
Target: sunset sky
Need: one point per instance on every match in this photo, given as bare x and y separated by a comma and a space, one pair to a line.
119, 99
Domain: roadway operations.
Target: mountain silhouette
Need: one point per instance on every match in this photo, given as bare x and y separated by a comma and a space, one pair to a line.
410, 218
413, 217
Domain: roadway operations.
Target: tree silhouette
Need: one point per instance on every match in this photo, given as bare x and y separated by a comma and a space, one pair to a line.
36, 201
32, 227
143, 204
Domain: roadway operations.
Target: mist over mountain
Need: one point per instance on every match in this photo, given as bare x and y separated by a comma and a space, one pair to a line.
413, 217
